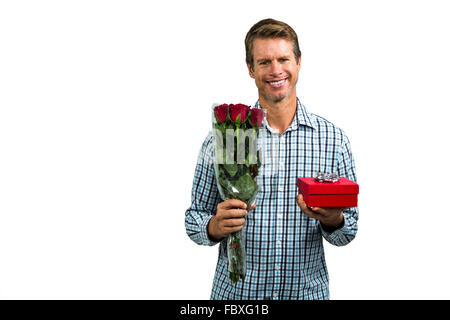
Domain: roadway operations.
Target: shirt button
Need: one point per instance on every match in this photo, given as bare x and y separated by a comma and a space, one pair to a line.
281, 164
277, 267
278, 242
280, 216
275, 295
280, 188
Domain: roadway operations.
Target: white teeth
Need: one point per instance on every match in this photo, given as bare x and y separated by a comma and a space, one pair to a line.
277, 82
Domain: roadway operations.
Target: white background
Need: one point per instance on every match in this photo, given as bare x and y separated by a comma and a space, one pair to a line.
105, 104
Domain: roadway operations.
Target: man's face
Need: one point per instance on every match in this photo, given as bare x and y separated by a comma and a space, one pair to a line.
275, 68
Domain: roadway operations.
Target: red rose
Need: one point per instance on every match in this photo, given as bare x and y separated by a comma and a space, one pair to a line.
238, 112
256, 117
221, 112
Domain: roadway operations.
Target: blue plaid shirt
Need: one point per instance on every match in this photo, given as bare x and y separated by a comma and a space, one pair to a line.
285, 254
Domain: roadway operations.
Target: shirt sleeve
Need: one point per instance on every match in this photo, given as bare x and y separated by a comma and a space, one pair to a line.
205, 196
346, 168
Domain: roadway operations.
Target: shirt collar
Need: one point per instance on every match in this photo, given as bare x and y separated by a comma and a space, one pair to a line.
301, 118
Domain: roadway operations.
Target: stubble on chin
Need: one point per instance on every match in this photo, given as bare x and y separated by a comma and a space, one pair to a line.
276, 99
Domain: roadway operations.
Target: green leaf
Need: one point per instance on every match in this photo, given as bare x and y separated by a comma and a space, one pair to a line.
246, 187
227, 187
232, 169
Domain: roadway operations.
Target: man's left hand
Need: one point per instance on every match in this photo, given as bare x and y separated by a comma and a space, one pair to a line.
331, 218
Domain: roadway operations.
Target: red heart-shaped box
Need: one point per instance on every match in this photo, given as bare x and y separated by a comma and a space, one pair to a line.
343, 193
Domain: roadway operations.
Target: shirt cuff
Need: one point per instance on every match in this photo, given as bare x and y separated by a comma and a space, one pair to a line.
204, 233
336, 234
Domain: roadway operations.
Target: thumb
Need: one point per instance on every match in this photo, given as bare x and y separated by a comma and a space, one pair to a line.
299, 199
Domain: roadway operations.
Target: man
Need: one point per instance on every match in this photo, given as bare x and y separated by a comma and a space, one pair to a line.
285, 255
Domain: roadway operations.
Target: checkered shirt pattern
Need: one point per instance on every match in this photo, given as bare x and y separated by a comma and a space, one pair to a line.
285, 253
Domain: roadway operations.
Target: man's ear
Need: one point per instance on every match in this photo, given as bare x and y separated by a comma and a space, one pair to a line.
250, 71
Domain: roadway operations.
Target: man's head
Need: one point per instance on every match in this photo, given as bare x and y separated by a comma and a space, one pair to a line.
270, 29
273, 60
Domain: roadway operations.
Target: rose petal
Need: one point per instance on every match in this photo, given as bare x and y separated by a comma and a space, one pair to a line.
221, 112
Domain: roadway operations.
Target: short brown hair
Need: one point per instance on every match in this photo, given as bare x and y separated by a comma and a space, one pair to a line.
270, 29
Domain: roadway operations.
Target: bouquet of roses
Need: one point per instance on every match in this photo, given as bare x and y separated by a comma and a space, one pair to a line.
237, 161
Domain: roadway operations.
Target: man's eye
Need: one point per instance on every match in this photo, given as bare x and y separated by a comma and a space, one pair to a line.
264, 63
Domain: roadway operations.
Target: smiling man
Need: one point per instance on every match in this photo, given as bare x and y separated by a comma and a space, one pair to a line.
285, 254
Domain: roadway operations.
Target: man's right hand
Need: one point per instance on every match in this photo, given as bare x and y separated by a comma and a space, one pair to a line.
229, 218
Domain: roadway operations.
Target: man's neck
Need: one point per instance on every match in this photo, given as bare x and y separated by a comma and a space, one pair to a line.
280, 114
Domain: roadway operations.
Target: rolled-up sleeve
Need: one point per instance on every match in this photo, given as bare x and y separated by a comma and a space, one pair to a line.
205, 196
346, 168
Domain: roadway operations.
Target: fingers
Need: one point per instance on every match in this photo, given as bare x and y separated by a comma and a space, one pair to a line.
328, 216
233, 208
302, 203
232, 203
318, 210
230, 217
229, 230
310, 212
230, 223
326, 210
233, 213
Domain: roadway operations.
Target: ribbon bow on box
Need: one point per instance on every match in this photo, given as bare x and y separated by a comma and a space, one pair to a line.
326, 177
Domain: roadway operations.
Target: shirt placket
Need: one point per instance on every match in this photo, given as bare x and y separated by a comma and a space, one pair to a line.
279, 221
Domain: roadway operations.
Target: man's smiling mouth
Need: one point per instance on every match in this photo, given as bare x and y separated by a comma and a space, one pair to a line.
278, 83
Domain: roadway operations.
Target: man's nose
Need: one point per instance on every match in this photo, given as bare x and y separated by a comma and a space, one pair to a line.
276, 68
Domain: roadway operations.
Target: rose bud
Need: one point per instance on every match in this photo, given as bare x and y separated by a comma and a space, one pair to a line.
221, 112
238, 113
256, 117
